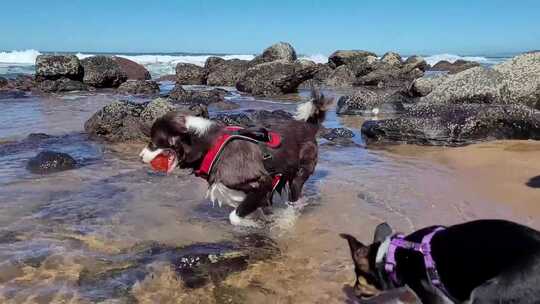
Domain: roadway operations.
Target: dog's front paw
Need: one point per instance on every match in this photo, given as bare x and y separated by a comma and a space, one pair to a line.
244, 222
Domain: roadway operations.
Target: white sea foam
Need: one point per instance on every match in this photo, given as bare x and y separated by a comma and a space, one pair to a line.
433, 59
317, 58
19, 57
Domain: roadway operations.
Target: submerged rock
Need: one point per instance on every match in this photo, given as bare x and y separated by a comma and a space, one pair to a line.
102, 72
196, 265
455, 67
454, 125
337, 136
53, 67
366, 101
188, 73
49, 162
274, 78
139, 87
132, 69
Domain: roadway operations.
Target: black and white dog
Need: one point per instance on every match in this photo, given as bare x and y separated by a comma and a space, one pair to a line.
242, 173
483, 261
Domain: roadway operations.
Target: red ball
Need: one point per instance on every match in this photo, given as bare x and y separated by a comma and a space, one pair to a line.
160, 163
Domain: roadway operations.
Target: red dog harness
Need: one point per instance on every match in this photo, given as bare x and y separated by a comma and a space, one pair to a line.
232, 133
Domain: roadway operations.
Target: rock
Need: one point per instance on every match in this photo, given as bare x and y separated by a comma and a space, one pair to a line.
225, 72
516, 81
212, 62
102, 72
282, 51
132, 69
424, 85
181, 96
123, 121
392, 58
319, 78
21, 83
188, 73
388, 76
364, 65
139, 87
274, 78
453, 68
337, 136
53, 67
61, 85
342, 57
521, 82
416, 62
454, 125
49, 162
476, 85
252, 118
366, 101
195, 265
166, 78
341, 77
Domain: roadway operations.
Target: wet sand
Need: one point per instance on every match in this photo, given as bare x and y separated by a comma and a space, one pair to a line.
54, 227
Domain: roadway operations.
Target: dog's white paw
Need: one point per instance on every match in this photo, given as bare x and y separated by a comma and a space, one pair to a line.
243, 222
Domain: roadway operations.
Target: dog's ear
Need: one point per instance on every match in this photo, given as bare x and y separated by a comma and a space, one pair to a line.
359, 252
177, 122
382, 231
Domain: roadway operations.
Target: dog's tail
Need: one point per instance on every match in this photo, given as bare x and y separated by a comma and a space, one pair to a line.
313, 111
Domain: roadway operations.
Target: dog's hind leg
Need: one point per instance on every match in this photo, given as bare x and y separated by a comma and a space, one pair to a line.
308, 161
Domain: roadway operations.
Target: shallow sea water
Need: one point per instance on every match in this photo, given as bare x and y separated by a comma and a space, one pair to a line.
55, 228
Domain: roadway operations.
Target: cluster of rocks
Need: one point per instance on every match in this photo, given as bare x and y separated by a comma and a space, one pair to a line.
473, 105
276, 71
64, 73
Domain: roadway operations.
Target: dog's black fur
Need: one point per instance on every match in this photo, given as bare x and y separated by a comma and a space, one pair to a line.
240, 166
483, 261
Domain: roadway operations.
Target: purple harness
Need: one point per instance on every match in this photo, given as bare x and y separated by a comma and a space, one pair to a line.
398, 241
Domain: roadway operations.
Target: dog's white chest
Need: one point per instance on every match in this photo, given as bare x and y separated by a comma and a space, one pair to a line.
219, 193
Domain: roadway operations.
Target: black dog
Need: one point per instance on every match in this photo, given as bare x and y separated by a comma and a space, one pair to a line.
484, 261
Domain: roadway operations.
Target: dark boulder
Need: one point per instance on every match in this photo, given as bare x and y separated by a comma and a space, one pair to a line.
388, 76
61, 85
224, 72
319, 78
337, 136
139, 87
342, 57
21, 83
370, 101
53, 67
454, 125
124, 121
3, 82
188, 73
49, 162
282, 51
181, 96
102, 72
252, 118
132, 69
274, 78
455, 67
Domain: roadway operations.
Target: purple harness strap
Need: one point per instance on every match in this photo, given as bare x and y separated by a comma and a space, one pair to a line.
398, 241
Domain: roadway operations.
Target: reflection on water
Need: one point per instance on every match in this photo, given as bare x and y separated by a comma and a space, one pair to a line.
76, 236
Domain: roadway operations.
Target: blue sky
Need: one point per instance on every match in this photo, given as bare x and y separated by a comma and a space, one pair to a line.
424, 27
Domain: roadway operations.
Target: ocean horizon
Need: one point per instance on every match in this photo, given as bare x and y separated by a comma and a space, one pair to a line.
16, 62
